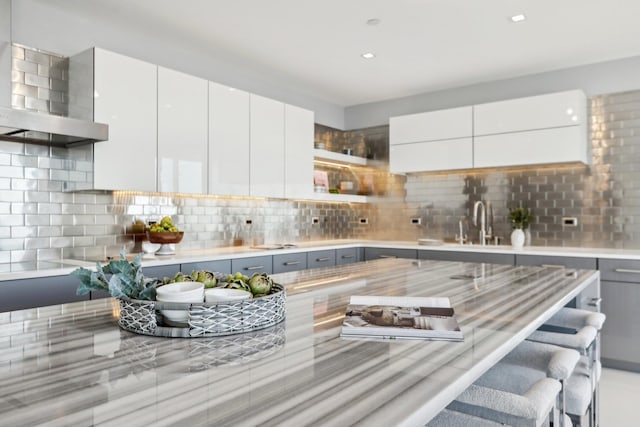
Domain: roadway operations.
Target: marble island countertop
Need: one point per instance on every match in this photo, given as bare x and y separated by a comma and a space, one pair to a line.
65, 266
72, 365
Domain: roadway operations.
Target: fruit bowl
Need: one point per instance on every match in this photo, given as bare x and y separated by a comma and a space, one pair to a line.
165, 237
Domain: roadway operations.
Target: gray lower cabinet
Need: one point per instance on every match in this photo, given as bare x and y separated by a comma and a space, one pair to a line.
620, 289
161, 271
283, 263
221, 266
347, 256
377, 253
39, 292
557, 261
324, 258
483, 257
256, 264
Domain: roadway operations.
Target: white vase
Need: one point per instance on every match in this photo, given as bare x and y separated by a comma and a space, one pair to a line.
517, 238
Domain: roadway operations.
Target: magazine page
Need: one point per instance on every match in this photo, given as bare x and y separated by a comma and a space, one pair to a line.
401, 317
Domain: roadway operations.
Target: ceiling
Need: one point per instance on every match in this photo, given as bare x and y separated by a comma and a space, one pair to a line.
420, 45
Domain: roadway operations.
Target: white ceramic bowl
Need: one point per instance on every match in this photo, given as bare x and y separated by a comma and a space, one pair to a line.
181, 292
188, 292
222, 294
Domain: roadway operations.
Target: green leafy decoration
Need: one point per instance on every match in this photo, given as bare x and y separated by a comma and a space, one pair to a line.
121, 278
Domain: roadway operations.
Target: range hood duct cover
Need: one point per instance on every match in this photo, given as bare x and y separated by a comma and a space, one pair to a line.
32, 127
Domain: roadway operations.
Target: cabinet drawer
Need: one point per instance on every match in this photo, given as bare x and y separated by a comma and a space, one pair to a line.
289, 262
321, 258
621, 270
376, 253
248, 266
346, 256
221, 266
490, 258
161, 271
557, 261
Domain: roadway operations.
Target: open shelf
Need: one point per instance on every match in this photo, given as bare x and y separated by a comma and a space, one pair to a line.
340, 159
345, 198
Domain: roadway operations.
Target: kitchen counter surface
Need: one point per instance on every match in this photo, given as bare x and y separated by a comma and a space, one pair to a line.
64, 267
72, 365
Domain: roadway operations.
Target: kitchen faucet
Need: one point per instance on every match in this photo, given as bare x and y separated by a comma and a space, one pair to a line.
483, 214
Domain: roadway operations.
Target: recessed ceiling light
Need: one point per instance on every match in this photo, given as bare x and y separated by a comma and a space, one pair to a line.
373, 21
368, 55
518, 18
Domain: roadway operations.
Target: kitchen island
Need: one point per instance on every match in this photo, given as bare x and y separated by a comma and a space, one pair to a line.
70, 364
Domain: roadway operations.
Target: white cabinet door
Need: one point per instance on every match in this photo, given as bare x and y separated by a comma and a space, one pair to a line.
565, 144
182, 132
431, 156
431, 126
125, 91
228, 141
536, 112
298, 172
266, 175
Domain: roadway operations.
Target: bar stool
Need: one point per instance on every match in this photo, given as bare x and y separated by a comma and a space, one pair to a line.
579, 330
524, 389
449, 418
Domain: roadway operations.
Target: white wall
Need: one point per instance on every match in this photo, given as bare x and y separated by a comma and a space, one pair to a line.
596, 79
65, 31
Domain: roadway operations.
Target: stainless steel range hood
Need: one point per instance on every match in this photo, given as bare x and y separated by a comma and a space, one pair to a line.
39, 128
34, 127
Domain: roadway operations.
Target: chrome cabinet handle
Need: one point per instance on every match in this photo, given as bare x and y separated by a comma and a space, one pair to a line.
255, 267
347, 256
595, 302
292, 263
387, 256
322, 259
626, 270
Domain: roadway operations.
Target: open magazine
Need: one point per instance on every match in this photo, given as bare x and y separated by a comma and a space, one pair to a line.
401, 317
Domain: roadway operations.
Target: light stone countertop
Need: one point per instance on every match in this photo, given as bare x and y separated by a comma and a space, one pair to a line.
72, 365
64, 267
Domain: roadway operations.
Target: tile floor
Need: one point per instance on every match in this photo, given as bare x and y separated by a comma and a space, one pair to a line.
619, 398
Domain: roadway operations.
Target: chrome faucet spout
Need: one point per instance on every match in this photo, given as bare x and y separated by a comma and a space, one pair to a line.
483, 215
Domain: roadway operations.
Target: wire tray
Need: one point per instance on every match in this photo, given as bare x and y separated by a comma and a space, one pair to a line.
204, 320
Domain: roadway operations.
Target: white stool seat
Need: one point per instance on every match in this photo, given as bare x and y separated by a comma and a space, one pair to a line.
448, 418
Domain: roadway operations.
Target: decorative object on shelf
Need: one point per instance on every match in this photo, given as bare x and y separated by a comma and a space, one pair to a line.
519, 218
166, 234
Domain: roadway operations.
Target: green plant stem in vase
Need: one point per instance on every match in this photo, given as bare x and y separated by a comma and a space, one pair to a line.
519, 218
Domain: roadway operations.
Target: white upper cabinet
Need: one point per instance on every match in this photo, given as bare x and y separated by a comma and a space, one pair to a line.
266, 165
432, 141
182, 132
431, 126
557, 145
535, 112
125, 99
542, 129
431, 156
228, 141
299, 129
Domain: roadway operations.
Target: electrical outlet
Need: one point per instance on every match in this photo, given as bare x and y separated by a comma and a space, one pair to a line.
248, 222
570, 221
416, 221
315, 220
364, 220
